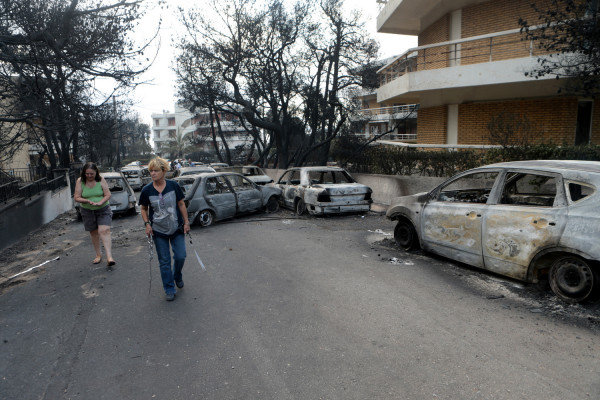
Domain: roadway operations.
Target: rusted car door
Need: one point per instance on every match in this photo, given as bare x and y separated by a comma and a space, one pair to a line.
249, 198
220, 198
531, 215
452, 219
289, 184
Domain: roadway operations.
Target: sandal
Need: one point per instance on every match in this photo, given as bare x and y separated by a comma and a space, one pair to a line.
97, 260
110, 263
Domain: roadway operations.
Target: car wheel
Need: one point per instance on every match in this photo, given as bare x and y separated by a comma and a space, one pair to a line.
205, 218
272, 205
572, 279
300, 207
405, 235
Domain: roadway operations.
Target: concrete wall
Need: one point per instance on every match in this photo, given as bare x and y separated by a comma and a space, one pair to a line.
19, 218
386, 187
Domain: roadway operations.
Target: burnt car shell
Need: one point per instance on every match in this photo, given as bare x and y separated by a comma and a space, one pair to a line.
323, 190
524, 220
211, 197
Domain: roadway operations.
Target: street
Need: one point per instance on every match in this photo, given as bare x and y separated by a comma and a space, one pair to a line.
288, 308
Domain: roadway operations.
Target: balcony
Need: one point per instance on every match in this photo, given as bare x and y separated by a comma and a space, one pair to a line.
496, 61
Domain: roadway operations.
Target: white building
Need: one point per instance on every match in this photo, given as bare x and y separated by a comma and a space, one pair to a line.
166, 126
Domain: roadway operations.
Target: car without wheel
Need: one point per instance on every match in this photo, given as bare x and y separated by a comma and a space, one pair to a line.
323, 190
211, 197
527, 220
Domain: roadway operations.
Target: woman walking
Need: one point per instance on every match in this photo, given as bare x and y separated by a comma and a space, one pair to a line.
91, 191
165, 217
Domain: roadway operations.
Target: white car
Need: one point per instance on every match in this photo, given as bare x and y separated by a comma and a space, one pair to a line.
256, 175
136, 176
323, 190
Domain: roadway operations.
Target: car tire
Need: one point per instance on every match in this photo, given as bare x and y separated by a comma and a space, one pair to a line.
573, 279
205, 218
300, 207
272, 205
405, 235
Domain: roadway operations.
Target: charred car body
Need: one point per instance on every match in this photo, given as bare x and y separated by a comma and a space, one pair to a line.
211, 197
323, 190
136, 176
524, 220
256, 175
197, 169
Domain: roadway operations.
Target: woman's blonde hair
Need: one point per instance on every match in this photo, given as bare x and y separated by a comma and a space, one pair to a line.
158, 163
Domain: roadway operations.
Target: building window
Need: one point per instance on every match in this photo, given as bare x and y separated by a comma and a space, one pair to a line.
171, 121
156, 122
584, 122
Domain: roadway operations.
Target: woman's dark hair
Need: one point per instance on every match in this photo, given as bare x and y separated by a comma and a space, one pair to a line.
90, 165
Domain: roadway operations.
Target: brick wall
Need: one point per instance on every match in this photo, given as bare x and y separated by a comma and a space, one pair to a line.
552, 120
432, 125
437, 57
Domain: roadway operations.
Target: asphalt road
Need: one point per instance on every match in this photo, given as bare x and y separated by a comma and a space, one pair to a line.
312, 308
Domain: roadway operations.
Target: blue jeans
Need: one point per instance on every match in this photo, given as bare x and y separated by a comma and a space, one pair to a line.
170, 276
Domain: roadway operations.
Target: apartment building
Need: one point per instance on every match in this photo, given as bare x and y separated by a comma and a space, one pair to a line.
167, 125
469, 68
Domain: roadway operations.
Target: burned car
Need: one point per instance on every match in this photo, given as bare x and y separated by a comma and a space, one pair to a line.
323, 190
197, 169
122, 196
256, 174
136, 176
526, 220
211, 197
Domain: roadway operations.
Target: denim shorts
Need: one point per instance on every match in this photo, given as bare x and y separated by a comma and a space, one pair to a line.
93, 218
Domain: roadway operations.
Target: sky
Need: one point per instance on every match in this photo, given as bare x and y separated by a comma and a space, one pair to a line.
159, 95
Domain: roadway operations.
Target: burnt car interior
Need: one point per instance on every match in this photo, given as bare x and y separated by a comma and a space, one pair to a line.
529, 190
115, 185
239, 183
579, 191
473, 188
318, 177
216, 186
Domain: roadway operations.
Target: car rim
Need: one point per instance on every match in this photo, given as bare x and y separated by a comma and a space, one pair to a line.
403, 234
205, 218
571, 278
300, 207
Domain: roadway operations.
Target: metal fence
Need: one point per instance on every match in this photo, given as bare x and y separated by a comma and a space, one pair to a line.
20, 187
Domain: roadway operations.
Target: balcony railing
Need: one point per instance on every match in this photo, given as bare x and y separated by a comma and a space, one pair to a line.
474, 50
388, 113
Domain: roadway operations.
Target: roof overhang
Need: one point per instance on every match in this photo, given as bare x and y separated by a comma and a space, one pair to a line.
411, 17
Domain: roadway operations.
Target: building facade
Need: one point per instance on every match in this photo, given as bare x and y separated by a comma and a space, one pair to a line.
166, 127
469, 70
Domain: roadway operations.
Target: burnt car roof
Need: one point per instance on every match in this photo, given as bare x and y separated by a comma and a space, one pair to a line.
551, 165
321, 168
111, 175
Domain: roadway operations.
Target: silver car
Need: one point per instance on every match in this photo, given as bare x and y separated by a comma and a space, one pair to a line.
323, 190
256, 174
211, 197
198, 169
527, 220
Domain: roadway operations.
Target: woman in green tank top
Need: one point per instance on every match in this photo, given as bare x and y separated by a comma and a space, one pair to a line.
92, 194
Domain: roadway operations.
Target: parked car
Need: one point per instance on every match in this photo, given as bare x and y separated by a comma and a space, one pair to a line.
136, 176
192, 170
323, 190
256, 174
526, 220
122, 196
211, 197
218, 165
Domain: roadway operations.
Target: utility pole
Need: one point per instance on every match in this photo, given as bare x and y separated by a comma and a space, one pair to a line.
117, 135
